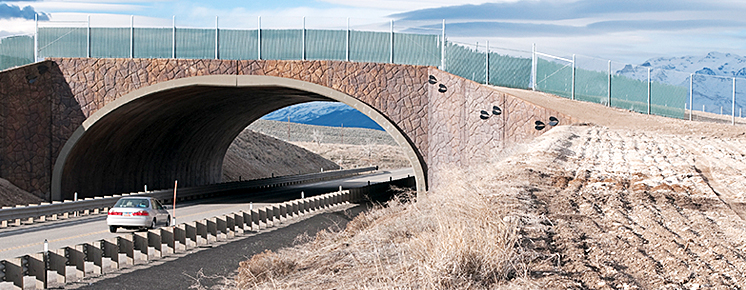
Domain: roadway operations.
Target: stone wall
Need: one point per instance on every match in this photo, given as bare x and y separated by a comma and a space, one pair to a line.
41, 108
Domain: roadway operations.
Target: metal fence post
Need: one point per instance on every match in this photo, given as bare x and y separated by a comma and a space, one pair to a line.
347, 41
533, 66
609, 86
443, 47
88, 38
572, 82
217, 45
132, 36
649, 90
36, 37
487, 63
391, 54
259, 38
173, 36
733, 110
303, 40
691, 95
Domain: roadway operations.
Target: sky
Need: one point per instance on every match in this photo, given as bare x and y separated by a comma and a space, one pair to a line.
628, 31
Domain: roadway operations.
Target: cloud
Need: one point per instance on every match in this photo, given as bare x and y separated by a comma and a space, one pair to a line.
13, 11
560, 10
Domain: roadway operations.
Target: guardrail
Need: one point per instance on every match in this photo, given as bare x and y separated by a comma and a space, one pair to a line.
55, 268
32, 213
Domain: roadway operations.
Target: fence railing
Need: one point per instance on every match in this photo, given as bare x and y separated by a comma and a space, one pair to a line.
665, 92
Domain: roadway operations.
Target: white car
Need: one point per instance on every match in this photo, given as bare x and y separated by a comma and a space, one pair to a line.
137, 213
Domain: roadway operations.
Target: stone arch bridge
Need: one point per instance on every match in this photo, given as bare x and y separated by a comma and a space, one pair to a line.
106, 126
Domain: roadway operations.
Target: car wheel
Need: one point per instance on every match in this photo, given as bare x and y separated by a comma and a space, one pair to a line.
153, 224
113, 229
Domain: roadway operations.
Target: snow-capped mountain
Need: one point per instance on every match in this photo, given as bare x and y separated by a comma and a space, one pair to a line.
713, 79
333, 114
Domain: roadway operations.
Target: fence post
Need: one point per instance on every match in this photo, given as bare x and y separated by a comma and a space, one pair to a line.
217, 45
347, 41
443, 47
303, 39
132, 36
259, 38
533, 66
36, 37
391, 54
609, 86
691, 95
88, 38
572, 89
649, 90
487, 63
733, 110
173, 36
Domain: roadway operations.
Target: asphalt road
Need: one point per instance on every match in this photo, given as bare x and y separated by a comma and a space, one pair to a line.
209, 268
18, 241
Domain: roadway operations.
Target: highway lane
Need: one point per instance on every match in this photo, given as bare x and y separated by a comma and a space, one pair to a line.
29, 239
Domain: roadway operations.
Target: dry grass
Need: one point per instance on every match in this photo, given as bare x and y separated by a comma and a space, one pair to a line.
454, 238
351, 156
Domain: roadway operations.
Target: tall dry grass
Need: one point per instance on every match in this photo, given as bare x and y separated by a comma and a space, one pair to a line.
452, 238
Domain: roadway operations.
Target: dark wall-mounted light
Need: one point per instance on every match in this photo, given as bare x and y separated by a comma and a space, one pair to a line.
432, 80
496, 110
484, 115
553, 121
42, 69
442, 88
539, 125
31, 78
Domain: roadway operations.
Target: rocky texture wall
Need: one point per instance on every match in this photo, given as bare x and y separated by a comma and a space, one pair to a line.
39, 116
461, 135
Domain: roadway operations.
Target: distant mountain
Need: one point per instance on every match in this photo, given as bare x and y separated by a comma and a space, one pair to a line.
332, 114
713, 82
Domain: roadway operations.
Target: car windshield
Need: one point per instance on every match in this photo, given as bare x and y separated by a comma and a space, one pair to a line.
132, 202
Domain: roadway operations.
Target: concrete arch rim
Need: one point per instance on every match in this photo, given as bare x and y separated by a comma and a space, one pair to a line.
239, 81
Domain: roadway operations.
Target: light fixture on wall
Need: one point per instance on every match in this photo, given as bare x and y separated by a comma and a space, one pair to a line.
442, 88
484, 115
496, 110
539, 125
432, 80
553, 121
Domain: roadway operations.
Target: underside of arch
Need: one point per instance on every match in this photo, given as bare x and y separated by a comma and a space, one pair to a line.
181, 129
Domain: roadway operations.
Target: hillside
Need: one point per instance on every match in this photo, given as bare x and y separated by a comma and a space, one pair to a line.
630, 202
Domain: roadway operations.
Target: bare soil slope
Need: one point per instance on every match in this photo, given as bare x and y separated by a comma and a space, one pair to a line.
10, 195
633, 202
254, 155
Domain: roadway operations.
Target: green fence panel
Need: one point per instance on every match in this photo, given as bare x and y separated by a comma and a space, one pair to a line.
465, 62
153, 42
509, 71
630, 94
286, 44
110, 42
591, 86
366, 46
668, 100
16, 51
238, 44
326, 44
554, 78
63, 42
195, 43
417, 49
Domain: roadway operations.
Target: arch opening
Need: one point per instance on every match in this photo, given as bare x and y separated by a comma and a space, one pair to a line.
181, 129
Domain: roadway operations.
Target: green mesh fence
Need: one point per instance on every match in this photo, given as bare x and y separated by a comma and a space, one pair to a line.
326, 44
16, 51
554, 77
508, 71
238, 44
110, 42
63, 42
286, 44
628, 93
465, 62
366, 46
153, 42
668, 100
195, 43
417, 49
591, 86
